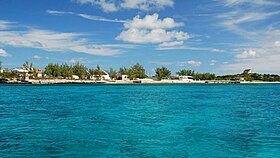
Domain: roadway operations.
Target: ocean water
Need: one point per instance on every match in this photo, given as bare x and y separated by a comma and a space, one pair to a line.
140, 121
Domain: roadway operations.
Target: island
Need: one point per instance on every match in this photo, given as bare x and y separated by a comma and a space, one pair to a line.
136, 74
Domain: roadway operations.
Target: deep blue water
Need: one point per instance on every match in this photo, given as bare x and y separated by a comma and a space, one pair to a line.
140, 121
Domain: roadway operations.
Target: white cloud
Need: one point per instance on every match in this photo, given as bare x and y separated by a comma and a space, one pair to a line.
265, 56
213, 62
231, 3
3, 53
5, 25
77, 60
106, 5
146, 4
54, 41
152, 22
247, 54
194, 63
171, 44
85, 16
114, 5
36, 57
269, 64
217, 50
152, 36
235, 18
277, 43
151, 29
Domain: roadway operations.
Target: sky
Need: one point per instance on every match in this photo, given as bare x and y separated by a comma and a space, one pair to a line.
217, 36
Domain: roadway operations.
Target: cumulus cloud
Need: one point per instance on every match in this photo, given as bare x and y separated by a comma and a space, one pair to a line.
152, 36
3, 53
54, 41
114, 5
151, 29
247, 54
152, 22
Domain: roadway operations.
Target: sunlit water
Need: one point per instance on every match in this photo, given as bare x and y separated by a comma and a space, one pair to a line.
140, 121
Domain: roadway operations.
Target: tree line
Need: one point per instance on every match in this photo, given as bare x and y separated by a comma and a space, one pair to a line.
135, 71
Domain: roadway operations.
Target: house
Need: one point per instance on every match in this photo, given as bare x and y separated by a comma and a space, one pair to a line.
39, 72
103, 76
247, 71
122, 76
1, 71
20, 71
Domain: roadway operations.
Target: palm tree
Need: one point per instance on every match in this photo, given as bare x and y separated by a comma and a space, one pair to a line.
98, 72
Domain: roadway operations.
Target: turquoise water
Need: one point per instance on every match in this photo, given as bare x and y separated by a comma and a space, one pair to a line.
140, 121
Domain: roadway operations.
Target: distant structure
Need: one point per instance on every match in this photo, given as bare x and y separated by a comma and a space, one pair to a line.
103, 76
247, 71
122, 76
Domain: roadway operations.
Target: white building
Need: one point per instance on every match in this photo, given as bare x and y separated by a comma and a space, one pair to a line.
20, 71
248, 71
122, 76
103, 76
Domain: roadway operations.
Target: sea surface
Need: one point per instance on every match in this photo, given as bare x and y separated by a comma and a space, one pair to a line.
140, 121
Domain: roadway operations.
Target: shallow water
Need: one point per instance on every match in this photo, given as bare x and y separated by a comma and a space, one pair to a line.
140, 121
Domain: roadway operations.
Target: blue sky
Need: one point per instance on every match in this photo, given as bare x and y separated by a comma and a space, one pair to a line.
204, 35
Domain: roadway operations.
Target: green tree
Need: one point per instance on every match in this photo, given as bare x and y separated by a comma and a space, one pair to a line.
162, 72
185, 72
98, 72
53, 70
66, 71
29, 67
204, 76
136, 71
112, 73
123, 70
80, 70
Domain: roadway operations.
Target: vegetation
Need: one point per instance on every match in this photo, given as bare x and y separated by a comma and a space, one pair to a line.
196, 75
185, 72
112, 73
162, 72
136, 71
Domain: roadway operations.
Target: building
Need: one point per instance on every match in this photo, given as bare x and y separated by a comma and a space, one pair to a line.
247, 71
39, 72
122, 76
20, 72
103, 76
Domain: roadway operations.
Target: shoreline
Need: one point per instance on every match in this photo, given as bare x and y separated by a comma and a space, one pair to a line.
126, 82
